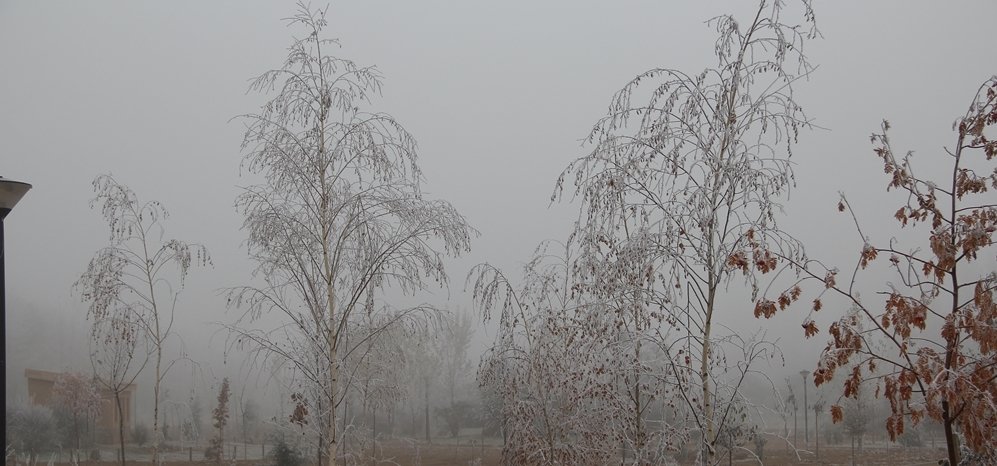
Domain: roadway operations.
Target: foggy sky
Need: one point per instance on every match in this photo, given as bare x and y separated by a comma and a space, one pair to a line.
498, 94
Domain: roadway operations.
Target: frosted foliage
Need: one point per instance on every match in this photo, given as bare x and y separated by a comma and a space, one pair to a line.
137, 277
339, 217
680, 195
574, 382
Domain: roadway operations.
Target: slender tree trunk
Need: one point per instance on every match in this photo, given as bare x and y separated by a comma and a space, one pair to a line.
121, 427
639, 431
319, 450
853, 450
950, 441
429, 438
76, 436
950, 346
704, 374
333, 443
221, 442
329, 277
796, 429
320, 447
816, 434
157, 336
415, 419
155, 398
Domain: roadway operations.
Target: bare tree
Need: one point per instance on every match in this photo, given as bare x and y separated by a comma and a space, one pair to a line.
676, 184
452, 346
939, 349
133, 273
551, 379
370, 368
421, 371
339, 216
818, 406
791, 402
77, 394
249, 417
117, 360
856, 414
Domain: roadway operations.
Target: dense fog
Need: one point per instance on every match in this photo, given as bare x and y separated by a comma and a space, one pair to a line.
488, 234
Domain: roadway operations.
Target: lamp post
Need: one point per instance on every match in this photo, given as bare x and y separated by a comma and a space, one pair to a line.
806, 427
10, 192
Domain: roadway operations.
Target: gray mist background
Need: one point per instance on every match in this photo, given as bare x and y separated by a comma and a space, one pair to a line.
498, 94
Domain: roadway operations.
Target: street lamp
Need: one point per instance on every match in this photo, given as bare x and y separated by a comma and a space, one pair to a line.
10, 192
806, 427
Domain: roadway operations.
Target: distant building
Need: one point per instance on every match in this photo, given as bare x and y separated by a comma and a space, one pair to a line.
40, 392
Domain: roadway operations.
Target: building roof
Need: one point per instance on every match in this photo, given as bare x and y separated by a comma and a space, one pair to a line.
48, 376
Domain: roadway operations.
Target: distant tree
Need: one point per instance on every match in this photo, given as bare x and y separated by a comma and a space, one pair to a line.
456, 334
551, 387
133, 274
139, 434
283, 454
250, 417
818, 407
937, 317
759, 441
455, 415
685, 172
857, 413
422, 373
791, 403
78, 395
117, 360
339, 216
216, 450
370, 372
452, 344
193, 425
30, 429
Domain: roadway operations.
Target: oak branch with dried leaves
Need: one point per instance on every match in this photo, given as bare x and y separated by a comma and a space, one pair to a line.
928, 341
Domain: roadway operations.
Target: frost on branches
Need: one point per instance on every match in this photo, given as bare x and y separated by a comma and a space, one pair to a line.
338, 217
937, 316
575, 381
139, 273
78, 395
685, 172
551, 381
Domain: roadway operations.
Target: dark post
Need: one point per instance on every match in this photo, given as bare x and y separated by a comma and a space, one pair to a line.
806, 425
3, 328
10, 192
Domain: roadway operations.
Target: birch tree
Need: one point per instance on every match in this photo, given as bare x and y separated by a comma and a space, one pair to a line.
683, 168
339, 216
553, 391
133, 274
117, 361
